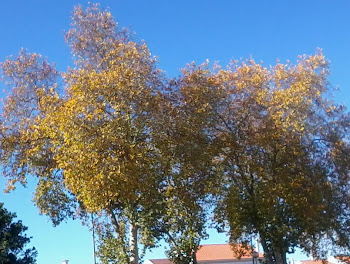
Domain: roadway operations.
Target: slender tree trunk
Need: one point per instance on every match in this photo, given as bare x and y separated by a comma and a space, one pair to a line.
114, 221
134, 251
116, 227
194, 257
284, 257
267, 252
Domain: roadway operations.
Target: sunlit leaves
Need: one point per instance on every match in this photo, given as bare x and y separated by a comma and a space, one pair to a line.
150, 156
274, 130
91, 146
93, 34
31, 78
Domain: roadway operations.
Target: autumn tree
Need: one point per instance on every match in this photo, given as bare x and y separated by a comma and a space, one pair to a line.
13, 240
114, 142
281, 140
92, 147
108, 123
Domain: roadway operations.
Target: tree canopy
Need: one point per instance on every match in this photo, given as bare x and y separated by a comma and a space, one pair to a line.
151, 157
280, 140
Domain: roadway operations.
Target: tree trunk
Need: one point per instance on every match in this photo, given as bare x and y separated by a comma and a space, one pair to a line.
284, 257
267, 252
116, 227
280, 256
194, 257
134, 252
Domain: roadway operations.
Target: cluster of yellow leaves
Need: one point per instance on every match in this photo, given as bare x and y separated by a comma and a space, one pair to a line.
103, 124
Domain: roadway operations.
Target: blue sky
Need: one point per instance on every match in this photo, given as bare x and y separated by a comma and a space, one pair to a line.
178, 32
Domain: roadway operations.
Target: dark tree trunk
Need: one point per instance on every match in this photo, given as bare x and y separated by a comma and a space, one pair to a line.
267, 252
280, 256
194, 257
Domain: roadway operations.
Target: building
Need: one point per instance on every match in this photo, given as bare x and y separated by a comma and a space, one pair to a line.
331, 260
312, 262
213, 254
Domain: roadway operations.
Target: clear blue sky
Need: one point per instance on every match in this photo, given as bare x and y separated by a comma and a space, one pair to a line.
177, 32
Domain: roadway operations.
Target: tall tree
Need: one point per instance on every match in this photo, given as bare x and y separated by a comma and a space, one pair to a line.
114, 143
92, 147
108, 122
281, 139
13, 240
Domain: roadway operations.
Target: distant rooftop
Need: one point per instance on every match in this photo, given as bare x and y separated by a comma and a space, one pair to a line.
218, 252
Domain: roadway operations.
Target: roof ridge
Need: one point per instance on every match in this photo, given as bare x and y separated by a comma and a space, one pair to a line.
214, 244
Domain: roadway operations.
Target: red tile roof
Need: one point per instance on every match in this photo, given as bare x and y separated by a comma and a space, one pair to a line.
211, 252
161, 261
314, 262
218, 252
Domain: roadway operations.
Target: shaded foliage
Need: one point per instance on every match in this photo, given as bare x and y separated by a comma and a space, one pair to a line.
13, 240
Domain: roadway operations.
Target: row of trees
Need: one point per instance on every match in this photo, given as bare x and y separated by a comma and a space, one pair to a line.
152, 157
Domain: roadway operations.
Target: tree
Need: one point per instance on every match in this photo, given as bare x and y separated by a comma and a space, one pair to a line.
280, 142
13, 240
92, 147
116, 143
